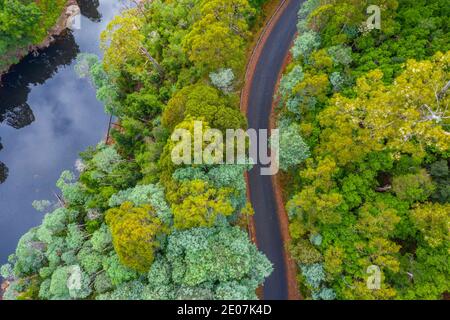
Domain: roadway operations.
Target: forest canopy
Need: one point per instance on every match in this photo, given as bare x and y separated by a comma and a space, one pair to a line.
364, 138
130, 224
372, 107
24, 23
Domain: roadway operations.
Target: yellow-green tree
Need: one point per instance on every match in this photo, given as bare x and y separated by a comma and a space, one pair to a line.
217, 40
405, 117
123, 43
135, 231
336, 15
198, 204
433, 221
201, 100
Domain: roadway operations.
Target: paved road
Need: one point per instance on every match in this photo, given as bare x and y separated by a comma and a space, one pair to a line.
268, 232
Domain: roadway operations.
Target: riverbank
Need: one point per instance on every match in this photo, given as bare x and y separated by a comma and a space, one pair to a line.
67, 119
3, 286
70, 11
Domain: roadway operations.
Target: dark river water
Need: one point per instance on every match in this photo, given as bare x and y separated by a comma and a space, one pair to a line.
47, 116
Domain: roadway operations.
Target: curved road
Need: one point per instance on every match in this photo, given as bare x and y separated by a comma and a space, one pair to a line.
260, 100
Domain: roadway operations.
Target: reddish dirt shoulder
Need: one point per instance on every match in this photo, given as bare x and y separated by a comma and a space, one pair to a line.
291, 267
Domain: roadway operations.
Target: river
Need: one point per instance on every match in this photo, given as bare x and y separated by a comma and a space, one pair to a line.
47, 116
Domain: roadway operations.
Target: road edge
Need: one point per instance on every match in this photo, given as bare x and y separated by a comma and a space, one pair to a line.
291, 267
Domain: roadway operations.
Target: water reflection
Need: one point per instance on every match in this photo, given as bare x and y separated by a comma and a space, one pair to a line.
36, 68
58, 116
3, 168
3, 172
19, 116
89, 9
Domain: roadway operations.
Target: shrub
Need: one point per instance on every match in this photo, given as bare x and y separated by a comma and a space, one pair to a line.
223, 80
305, 44
314, 274
413, 187
341, 55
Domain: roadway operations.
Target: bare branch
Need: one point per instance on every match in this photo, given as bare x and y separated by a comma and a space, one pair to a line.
444, 91
152, 60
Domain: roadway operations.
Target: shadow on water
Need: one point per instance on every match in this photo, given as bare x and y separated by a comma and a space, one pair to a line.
3, 168
47, 116
34, 69
89, 9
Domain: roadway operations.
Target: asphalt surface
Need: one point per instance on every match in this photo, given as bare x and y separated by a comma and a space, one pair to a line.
268, 68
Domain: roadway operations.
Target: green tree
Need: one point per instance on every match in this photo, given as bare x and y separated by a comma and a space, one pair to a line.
202, 101
123, 42
117, 272
413, 187
134, 232
69, 283
293, 150
223, 254
433, 221
217, 39
18, 20
198, 204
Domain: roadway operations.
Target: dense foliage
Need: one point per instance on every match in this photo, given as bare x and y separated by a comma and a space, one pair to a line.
372, 108
134, 225
24, 23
